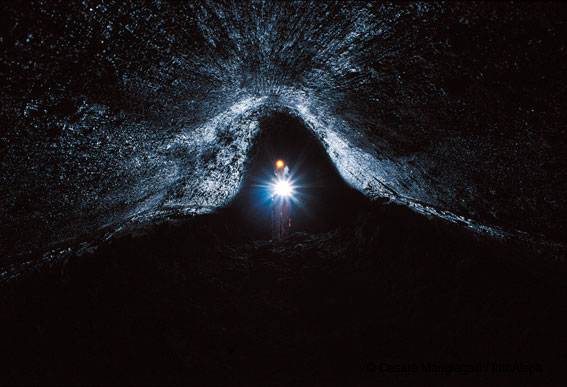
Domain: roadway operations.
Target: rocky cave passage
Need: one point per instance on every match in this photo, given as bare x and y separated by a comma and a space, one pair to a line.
118, 111
322, 200
133, 246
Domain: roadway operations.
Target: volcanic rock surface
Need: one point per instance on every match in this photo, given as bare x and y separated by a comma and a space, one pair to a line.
426, 142
128, 110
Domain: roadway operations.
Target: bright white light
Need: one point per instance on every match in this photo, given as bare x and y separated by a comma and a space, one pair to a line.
283, 188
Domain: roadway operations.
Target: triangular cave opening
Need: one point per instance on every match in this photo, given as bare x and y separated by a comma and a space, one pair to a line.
322, 199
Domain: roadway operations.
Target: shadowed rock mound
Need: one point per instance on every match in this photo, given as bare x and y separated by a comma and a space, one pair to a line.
195, 301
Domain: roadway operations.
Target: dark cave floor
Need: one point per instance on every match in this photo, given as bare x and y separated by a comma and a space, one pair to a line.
195, 302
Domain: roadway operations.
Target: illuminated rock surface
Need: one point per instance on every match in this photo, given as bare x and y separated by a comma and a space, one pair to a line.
121, 120
130, 110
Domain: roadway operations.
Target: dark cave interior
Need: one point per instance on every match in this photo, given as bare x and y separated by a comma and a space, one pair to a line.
197, 301
427, 145
322, 200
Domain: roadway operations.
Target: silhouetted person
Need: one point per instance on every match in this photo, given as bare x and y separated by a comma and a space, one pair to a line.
281, 203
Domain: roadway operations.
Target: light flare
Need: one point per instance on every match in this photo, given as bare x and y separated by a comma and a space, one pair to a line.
283, 188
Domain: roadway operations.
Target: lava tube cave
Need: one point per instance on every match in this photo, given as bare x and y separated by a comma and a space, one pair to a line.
283, 193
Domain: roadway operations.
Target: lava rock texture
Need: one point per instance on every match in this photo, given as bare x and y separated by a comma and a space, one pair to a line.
118, 110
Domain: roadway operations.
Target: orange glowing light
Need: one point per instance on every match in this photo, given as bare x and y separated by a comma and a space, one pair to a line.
279, 164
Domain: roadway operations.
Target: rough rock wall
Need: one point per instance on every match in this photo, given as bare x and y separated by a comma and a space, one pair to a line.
115, 109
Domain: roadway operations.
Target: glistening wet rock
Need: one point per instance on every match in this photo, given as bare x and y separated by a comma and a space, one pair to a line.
131, 110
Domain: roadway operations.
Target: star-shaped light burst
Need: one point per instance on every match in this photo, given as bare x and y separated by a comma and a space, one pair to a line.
283, 188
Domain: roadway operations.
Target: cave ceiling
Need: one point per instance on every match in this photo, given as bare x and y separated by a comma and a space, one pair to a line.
116, 110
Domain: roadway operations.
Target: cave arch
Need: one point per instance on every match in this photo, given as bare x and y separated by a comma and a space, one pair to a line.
323, 199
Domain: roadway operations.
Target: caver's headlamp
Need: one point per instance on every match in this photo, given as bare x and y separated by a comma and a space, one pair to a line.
279, 164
